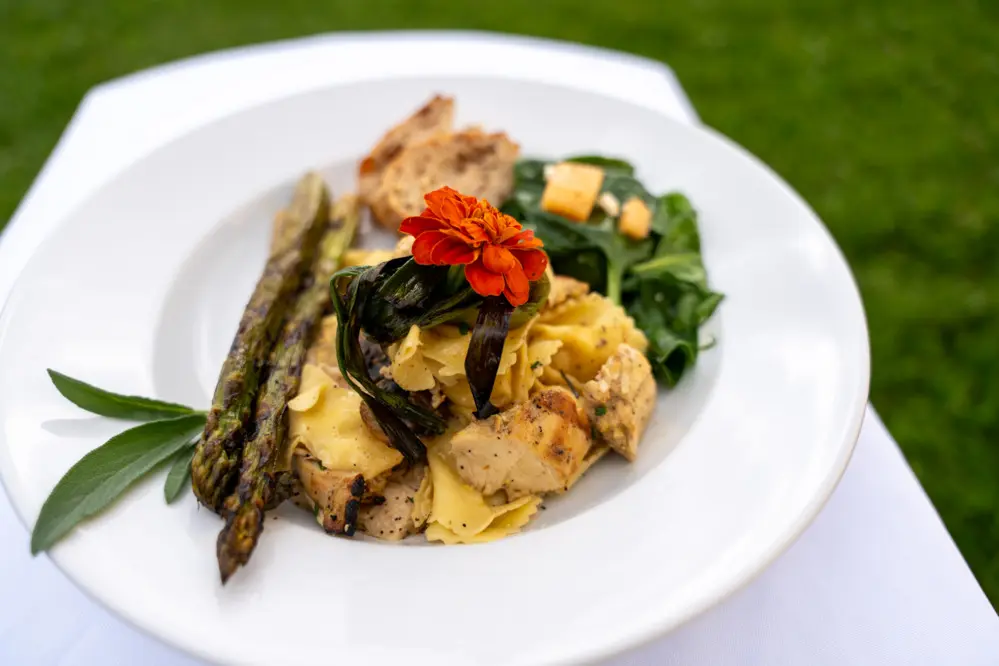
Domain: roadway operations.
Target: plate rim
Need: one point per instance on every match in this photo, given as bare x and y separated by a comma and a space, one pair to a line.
626, 641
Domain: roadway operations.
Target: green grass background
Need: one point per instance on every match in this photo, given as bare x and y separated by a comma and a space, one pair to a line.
883, 115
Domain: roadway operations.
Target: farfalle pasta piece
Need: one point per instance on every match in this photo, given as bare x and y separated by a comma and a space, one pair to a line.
322, 352
590, 328
410, 368
434, 359
448, 346
325, 420
594, 454
512, 386
460, 513
357, 256
509, 523
564, 289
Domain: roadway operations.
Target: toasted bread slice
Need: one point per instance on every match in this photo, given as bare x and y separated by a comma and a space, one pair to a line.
473, 162
433, 118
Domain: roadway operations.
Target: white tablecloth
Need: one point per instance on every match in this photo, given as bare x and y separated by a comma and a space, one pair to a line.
875, 580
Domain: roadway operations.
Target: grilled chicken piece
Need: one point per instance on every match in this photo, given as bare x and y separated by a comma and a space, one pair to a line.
375, 487
619, 400
336, 495
392, 518
534, 447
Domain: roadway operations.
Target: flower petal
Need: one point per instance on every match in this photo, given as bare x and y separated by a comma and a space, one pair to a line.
534, 262
523, 240
471, 229
483, 281
453, 209
497, 259
459, 257
498, 254
451, 251
424, 244
491, 221
518, 289
419, 224
504, 238
448, 204
507, 227
435, 201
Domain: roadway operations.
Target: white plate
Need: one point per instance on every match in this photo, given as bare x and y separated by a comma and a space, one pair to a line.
140, 290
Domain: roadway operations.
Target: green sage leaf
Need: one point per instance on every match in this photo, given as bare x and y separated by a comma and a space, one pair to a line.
114, 405
102, 475
179, 477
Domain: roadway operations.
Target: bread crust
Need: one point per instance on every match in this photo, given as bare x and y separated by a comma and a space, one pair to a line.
436, 117
473, 162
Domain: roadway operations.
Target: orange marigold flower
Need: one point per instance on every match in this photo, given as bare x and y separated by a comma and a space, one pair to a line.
499, 255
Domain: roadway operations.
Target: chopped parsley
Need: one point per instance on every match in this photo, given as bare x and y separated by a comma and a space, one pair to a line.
410, 500
600, 410
462, 327
536, 365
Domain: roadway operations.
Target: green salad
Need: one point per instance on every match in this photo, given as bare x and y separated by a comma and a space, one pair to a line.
660, 280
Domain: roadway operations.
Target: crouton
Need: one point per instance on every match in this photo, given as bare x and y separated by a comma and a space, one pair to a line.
636, 219
572, 190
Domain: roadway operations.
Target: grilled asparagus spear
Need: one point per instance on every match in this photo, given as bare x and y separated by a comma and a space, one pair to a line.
257, 479
216, 460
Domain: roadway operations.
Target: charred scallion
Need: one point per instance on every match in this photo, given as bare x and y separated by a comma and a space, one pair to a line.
380, 301
485, 350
